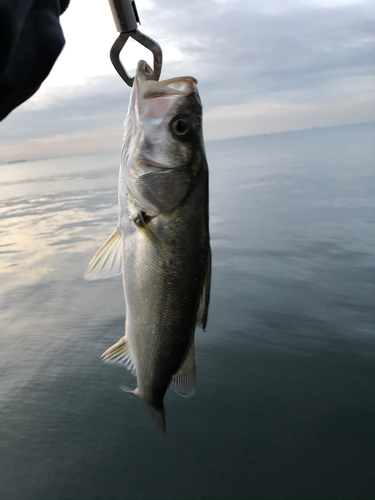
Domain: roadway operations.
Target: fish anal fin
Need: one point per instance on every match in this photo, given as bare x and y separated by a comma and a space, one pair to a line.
107, 262
119, 354
183, 382
205, 296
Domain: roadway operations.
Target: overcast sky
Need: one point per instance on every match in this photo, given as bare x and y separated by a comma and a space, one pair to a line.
262, 66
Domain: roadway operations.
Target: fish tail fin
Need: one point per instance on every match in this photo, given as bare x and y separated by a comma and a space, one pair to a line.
159, 415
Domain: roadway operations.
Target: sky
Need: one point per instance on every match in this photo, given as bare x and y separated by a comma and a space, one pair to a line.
262, 66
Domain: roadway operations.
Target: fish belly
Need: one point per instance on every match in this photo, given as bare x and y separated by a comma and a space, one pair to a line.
161, 304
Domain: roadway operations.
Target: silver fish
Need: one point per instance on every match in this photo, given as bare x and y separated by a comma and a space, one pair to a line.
161, 245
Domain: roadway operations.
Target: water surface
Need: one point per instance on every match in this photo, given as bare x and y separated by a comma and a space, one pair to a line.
285, 403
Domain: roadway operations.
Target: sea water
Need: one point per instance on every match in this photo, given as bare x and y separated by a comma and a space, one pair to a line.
285, 401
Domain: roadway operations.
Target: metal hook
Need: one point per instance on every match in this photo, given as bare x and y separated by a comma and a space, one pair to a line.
146, 42
126, 19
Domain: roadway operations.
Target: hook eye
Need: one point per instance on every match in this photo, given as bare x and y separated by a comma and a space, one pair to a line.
146, 42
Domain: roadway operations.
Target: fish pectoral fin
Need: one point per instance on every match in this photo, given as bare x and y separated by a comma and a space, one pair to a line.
107, 262
205, 297
119, 354
183, 382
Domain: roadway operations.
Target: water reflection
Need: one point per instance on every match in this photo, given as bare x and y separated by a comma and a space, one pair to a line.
285, 369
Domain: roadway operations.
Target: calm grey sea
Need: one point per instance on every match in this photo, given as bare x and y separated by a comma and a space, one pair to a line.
285, 403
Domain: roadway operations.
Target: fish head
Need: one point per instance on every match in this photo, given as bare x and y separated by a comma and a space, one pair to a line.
163, 140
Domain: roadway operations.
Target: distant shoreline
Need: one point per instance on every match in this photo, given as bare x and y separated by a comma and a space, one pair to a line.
264, 135
16, 161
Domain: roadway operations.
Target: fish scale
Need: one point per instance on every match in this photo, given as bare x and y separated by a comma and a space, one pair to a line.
161, 246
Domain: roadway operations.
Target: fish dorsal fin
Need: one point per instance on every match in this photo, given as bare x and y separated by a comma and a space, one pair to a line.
107, 262
119, 354
205, 297
183, 382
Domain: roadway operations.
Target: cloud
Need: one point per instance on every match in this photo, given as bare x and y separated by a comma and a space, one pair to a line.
261, 66
241, 53
99, 102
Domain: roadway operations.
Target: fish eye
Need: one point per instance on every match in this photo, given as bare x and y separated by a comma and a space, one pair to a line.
181, 126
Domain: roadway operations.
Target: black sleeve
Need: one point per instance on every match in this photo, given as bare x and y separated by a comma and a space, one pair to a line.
31, 38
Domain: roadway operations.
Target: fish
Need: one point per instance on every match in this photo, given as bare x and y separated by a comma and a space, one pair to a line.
161, 245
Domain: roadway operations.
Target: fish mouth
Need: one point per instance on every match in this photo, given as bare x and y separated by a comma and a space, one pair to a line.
163, 87
154, 99
143, 71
